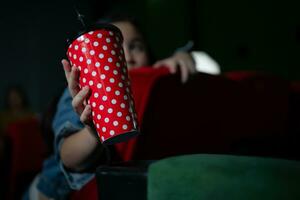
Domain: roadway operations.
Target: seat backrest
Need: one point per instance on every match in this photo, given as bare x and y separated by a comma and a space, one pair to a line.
223, 177
89, 191
212, 114
142, 82
27, 151
27, 146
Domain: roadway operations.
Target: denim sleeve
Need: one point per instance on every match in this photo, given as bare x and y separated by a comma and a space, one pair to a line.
65, 123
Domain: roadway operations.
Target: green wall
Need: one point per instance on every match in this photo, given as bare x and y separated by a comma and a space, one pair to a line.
240, 35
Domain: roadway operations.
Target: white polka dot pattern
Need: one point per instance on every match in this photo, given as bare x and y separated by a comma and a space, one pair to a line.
99, 57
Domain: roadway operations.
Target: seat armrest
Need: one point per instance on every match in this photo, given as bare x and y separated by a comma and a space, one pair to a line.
123, 181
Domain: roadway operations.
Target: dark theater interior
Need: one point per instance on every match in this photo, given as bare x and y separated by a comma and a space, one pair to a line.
150, 100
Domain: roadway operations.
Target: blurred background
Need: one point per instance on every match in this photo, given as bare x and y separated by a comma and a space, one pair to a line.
239, 35
256, 116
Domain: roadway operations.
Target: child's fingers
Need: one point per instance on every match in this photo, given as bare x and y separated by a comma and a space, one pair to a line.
85, 117
184, 70
79, 99
67, 68
73, 82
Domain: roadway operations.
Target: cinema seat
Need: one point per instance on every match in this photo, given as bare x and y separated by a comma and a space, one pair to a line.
218, 177
27, 151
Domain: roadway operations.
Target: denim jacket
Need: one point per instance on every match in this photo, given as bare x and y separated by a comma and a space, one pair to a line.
55, 180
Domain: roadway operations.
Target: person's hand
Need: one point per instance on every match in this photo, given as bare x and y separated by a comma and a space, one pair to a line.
79, 96
180, 60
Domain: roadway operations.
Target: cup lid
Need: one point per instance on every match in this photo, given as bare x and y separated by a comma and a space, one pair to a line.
97, 26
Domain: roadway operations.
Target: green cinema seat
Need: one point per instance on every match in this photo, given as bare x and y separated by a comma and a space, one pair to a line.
222, 177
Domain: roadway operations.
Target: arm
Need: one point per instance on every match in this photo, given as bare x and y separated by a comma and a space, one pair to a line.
79, 149
83, 146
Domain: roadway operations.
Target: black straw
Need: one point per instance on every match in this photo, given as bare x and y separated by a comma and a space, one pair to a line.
80, 17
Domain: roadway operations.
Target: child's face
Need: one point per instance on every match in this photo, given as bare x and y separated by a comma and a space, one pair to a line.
134, 46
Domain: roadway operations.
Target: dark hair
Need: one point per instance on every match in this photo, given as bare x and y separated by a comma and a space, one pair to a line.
20, 91
124, 17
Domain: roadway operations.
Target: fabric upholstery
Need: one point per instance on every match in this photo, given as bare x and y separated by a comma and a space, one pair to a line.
206, 177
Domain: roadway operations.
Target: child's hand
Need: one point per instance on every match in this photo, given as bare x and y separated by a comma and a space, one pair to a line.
181, 60
79, 96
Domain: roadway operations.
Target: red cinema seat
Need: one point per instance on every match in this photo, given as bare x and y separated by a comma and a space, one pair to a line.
241, 75
89, 191
27, 151
214, 114
142, 82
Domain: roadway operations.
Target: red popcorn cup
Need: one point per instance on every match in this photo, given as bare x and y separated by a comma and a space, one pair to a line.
99, 56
